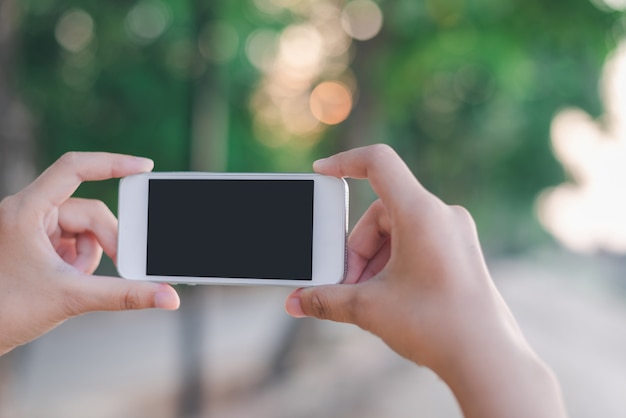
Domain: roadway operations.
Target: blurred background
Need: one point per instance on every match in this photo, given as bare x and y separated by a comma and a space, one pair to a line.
513, 109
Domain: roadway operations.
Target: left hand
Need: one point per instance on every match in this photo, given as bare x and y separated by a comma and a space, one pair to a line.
51, 243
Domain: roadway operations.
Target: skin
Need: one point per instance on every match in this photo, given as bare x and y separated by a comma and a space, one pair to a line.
51, 243
417, 278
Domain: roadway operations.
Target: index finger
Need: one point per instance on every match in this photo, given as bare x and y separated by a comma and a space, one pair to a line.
61, 179
390, 177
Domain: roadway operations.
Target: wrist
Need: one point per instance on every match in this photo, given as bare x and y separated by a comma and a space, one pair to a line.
504, 380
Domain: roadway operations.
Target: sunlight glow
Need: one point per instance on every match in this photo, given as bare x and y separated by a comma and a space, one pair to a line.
306, 83
589, 214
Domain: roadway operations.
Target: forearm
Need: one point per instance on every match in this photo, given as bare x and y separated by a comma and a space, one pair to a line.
512, 383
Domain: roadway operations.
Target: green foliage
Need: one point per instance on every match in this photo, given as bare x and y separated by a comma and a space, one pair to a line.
464, 90
116, 94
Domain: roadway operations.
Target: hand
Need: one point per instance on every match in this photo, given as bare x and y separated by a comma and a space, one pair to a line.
416, 277
50, 244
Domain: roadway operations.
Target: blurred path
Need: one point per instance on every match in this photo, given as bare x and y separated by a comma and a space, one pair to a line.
572, 309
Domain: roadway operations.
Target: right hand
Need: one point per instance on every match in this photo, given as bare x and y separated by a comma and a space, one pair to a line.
416, 275
417, 278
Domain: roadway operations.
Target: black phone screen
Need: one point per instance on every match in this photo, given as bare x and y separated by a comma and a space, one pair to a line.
230, 228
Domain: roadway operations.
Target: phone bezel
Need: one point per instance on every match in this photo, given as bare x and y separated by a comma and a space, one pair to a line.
330, 220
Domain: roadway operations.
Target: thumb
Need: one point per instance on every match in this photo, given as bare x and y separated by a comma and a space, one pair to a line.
338, 303
98, 293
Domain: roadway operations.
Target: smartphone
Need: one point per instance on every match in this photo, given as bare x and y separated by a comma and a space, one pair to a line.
233, 228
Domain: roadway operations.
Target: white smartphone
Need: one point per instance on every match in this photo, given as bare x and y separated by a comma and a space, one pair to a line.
233, 228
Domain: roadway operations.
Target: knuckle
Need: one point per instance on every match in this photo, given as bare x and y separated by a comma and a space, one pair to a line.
6, 210
461, 212
351, 308
72, 304
12, 212
130, 300
70, 162
99, 207
71, 308
382, 151
378, 206
463, 216
69, 158
319, 306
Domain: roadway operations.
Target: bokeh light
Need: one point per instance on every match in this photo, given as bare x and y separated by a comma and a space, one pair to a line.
297, 117
261, 47
301, 48
148, 20
362, 19
74, 30
295, 101
327, 19
331, 102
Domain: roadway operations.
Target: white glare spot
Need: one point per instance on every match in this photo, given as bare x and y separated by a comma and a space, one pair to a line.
147, 20
74, 30
612, 4
590, 213
362, 19
301, 46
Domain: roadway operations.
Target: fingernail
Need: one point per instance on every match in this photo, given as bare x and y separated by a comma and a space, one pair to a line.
145, 163
293, 305
166, 298
320, 164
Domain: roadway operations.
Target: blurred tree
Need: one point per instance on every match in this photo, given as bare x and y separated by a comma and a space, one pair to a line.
109, 76
466, 90
16, 141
